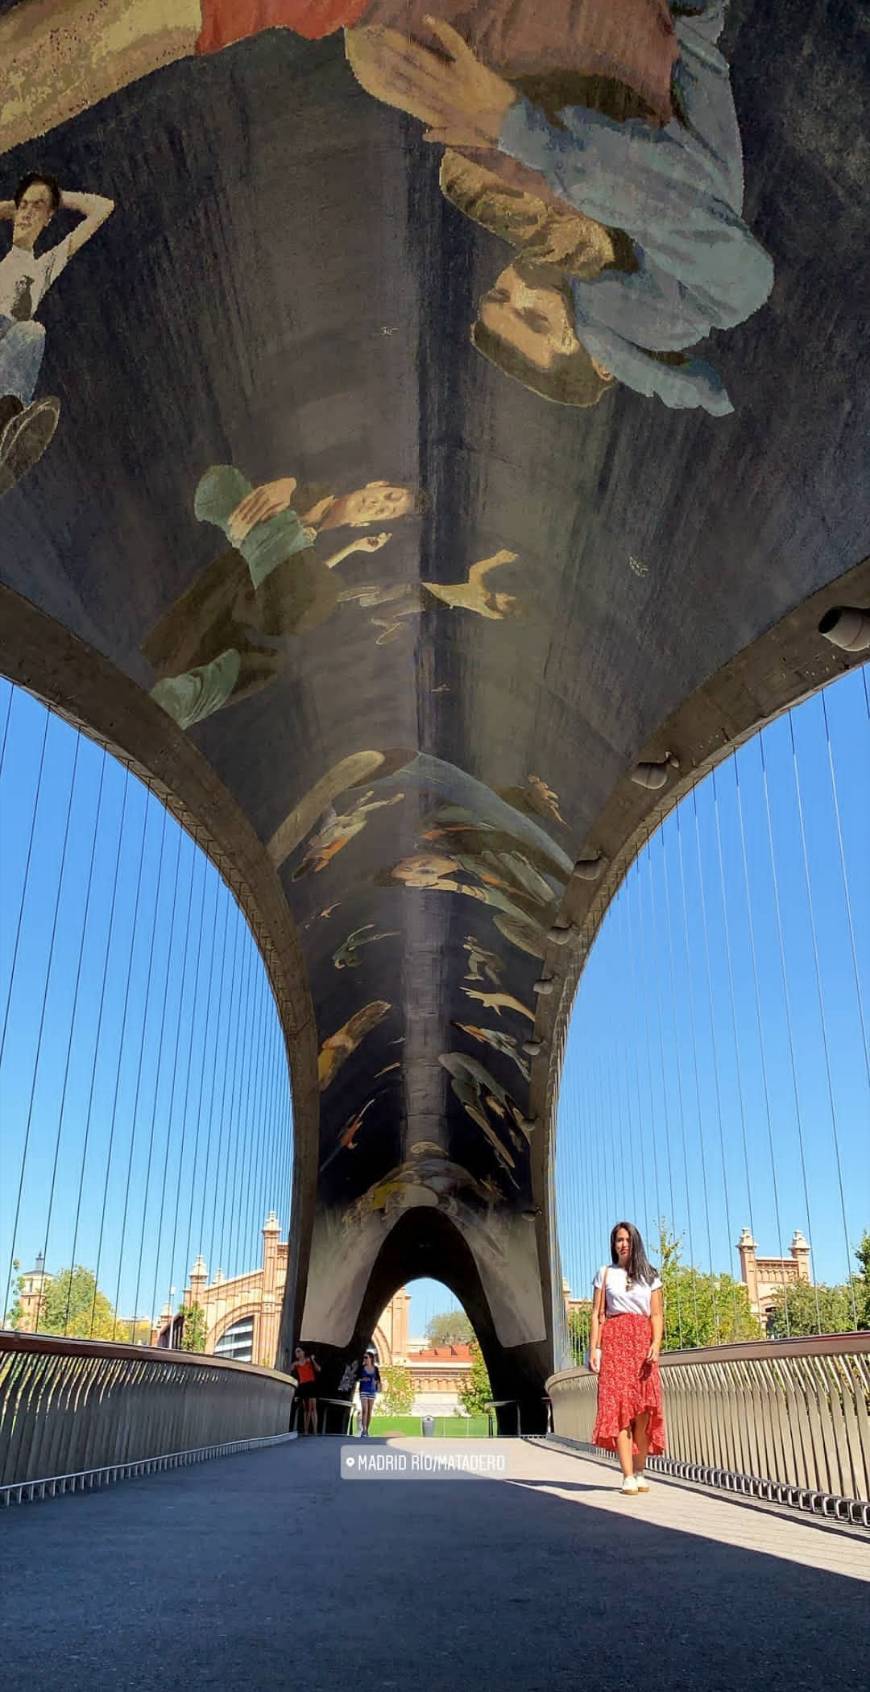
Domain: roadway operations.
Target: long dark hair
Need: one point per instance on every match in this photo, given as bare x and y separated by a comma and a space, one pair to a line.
639, 1267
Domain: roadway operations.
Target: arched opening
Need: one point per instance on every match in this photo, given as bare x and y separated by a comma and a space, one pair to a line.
147, 1109
237, 1340
427, 1243
716, 1074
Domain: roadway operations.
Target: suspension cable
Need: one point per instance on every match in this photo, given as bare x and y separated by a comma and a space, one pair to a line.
72, 1022
44, 1004
24, 882
758, 1017
837, 819
690, 997
788, 1023
110, 930
715, 1051
822, 1018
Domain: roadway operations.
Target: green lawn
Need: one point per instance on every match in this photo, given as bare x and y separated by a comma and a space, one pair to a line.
446, 1427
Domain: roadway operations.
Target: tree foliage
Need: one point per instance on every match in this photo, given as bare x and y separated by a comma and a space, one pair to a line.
475, 1391
701, 1309
194, 1332
452, 1327
14, 1314
802, 1309
861, 1281
579, 1321
73, 1304
398, 1390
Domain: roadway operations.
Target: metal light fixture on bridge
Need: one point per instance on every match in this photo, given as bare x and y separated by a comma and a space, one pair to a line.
654, 775
847, 627
545, 986
533, 1047
561, 936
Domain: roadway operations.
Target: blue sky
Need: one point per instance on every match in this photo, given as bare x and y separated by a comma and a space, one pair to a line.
696, 1086
716, 1071
675, 1104
138, 998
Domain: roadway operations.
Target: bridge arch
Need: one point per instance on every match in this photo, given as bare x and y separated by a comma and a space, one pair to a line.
784, 666
779, 668
96, 696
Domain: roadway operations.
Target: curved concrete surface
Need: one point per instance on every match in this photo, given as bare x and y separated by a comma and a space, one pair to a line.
421, 491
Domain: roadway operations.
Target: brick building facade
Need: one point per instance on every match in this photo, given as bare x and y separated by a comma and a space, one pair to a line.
242, 1315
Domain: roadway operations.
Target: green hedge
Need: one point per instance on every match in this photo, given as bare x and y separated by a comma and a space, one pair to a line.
446, 1427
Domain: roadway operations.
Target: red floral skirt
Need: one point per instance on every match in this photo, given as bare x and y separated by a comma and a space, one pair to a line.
627, 1385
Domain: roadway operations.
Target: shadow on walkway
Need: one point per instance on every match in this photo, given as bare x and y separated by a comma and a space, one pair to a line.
268, 1571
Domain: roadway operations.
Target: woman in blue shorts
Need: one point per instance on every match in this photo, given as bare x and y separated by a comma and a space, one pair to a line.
369, 1383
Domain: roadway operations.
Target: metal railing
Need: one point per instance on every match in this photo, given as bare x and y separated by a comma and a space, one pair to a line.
76, 1413
786, 1420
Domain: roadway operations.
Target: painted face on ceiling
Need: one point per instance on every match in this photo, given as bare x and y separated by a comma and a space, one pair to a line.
535, 320
378, 502
33, 214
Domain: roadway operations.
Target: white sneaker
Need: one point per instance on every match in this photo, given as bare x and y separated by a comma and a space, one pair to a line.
630, 1486
642, 1483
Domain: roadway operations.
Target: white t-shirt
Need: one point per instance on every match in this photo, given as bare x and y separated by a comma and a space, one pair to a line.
635, 1300
26, 279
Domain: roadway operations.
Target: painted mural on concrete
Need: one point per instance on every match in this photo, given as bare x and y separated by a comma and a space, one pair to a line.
227, 637
306, 487
665, 255
28, 418
615, 125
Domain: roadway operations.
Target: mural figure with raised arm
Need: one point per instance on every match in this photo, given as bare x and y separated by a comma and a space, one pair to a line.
669, 257
227, 636
27, 424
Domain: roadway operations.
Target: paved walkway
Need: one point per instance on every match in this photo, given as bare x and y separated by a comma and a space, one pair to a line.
270, 1571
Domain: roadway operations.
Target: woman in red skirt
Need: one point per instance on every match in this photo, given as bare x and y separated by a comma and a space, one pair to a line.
624, 1345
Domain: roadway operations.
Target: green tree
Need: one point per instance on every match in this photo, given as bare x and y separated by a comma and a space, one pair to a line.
475, 1391
193, 1335
452, 1327
579, 1320
802, 1310
398, 1390
134, 1333
72, 1304
13, 1315
700, 1309
861, 1282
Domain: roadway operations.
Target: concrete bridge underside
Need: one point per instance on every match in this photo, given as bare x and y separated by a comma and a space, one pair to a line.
403, 706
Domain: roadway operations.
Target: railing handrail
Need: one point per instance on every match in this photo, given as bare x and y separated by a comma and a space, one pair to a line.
750, 1351
60, 1346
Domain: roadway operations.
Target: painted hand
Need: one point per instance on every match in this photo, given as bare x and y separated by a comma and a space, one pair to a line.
461, 102
371, 543
259, 505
